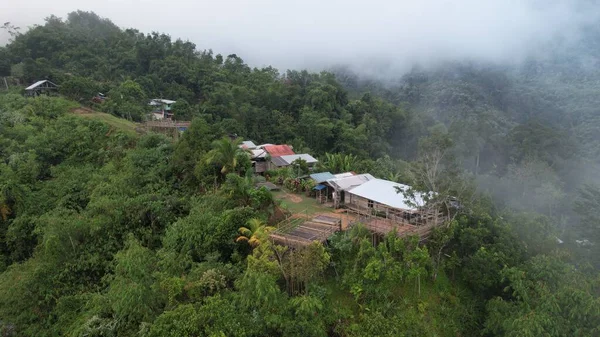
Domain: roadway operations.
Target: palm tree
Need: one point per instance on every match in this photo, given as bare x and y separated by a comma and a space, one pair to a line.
227, 154
256, 232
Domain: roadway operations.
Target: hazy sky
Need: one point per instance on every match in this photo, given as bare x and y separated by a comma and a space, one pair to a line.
315, 34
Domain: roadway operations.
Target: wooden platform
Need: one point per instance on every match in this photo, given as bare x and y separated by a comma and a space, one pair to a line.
302, 231
384, 226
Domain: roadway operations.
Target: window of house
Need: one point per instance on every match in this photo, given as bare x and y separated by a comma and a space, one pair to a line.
370, 203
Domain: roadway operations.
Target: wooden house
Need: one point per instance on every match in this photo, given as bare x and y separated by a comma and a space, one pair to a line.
337, 187
387, 199
161, 108
43, 87
260, 160
288, 160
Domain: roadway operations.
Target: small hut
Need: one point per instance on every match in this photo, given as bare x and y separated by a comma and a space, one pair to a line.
41, 87
321, 190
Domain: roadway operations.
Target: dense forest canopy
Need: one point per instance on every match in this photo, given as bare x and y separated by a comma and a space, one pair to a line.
107, 231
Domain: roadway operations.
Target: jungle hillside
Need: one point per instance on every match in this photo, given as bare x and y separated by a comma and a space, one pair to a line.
108, 228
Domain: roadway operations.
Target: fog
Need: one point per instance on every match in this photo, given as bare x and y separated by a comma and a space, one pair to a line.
371, 36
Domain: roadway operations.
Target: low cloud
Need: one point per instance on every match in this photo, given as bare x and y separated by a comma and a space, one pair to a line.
371, 36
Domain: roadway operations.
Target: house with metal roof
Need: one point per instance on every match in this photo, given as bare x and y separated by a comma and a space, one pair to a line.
347, 183
279, 150
161, 108
321, 177
310, 160
248, 144
257, 153
386, 199
344, 175
262, 146
337, 187
278, 162
321, 189
259, 159
288, 160
41, 87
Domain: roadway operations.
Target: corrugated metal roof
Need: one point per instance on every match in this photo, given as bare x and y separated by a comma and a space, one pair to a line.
384, 192
321, 177
38, 83
347, 183
344, 175
258, 154
162, 100
248, 144
305, 156
279, 150
277, 161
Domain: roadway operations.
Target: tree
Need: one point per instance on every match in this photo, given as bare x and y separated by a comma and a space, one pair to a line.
80, 89
545, 296
131, 293
300, 167
418, 261
256, 232
228, 155
128, 100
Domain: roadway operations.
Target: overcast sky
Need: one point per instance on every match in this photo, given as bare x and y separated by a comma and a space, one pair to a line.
321, 33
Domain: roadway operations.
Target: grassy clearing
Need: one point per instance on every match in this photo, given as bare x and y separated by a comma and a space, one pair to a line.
116, 122
299, 203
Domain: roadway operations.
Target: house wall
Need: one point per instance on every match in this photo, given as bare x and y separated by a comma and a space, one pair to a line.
260, 166
273, 166
362, 204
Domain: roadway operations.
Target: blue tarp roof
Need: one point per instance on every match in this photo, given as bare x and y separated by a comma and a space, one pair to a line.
321, 177
319, 187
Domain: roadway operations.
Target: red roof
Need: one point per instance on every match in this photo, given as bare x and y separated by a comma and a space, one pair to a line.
279, 150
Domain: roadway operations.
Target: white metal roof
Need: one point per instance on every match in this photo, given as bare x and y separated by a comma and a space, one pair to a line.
248, 144
305, 156
347, 183
384, 192
258, 153
344, 175
37, 84
158, 101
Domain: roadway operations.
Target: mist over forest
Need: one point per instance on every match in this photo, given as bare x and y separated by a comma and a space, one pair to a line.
110, 228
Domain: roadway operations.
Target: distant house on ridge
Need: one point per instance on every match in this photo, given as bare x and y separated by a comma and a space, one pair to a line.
278, 150
41, 87
162, 108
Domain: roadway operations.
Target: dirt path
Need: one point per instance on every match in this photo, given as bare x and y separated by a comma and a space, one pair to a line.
293, 198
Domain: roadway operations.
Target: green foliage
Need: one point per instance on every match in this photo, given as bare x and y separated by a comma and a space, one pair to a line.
128, 100
104, 232
546, 296
339, 163
79, 89
131, 291
228, 156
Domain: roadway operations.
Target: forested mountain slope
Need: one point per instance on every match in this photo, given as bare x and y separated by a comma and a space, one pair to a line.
106, 232
529, 133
